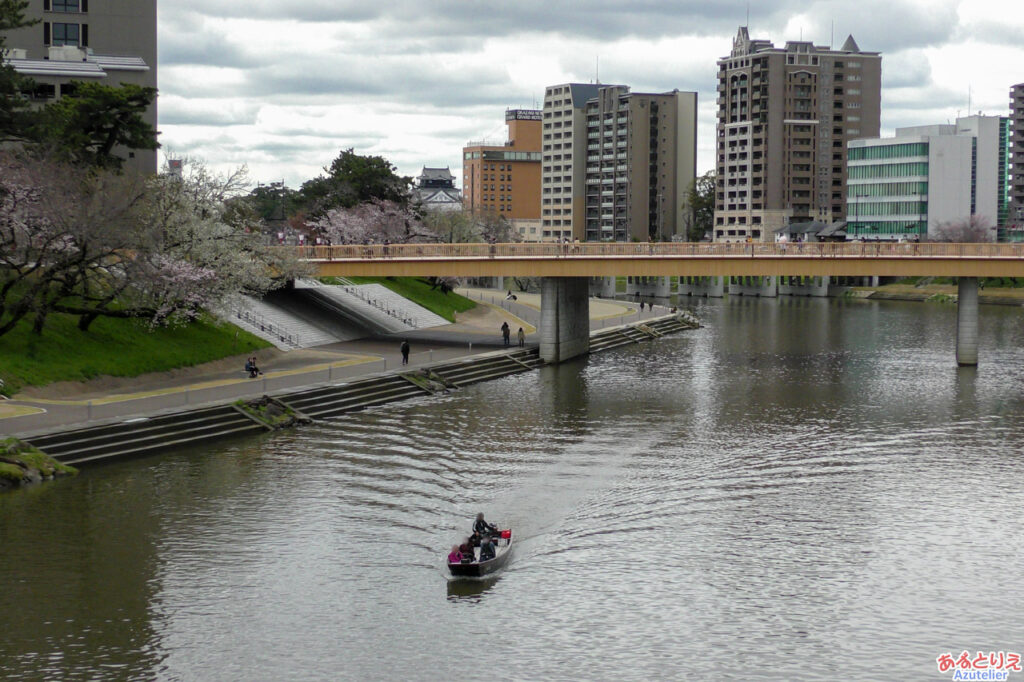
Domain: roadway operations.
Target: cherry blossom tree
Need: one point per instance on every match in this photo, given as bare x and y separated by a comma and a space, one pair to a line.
375, 221
972, 229
61, 230
93, 243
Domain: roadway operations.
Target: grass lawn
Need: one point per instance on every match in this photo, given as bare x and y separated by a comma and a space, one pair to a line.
115, 347
418, 291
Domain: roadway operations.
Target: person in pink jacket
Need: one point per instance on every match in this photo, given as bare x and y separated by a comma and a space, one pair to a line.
456, 556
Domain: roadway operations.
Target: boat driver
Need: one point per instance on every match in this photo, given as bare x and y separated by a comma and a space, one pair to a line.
483, 528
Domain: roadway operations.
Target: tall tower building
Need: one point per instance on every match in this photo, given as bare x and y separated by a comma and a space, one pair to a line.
505, 179
109, 41
1016, 208
563, 160
784, 118
640, 160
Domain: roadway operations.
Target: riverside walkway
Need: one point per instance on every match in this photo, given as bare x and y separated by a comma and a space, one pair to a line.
27, 414
857, 259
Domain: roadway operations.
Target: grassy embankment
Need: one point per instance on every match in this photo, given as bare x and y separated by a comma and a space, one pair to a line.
418, 291
113, 347
1004, 290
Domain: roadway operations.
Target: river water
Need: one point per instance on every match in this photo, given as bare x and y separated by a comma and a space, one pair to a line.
803, 489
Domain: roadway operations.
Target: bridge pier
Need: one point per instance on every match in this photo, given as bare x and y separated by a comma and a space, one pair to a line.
602, 287
564, 318
803, 286
765, 287
645, 287
967, 322
712, 287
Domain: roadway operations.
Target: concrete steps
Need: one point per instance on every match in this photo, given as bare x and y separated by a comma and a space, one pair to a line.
277, 325
139, 437
473, 370
331, 401
326, 402
623, 336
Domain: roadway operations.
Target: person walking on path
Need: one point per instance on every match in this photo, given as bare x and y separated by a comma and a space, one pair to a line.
506, 332
405, 352
522, 338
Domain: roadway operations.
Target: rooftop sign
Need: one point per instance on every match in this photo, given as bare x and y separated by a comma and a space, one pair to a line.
523, 115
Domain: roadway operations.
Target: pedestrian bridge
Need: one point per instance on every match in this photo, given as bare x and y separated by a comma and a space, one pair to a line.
812, 259
565, 270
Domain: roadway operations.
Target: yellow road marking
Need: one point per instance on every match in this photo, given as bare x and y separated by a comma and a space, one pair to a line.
122, 397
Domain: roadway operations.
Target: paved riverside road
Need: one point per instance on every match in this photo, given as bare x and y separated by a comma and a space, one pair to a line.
337, 362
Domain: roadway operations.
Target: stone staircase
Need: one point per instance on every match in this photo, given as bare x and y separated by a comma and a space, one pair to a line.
492, 366
635, 333
331, 401
325, 402
277, 326
147, 435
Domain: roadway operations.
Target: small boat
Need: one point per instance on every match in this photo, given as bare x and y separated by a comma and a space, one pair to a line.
477, 568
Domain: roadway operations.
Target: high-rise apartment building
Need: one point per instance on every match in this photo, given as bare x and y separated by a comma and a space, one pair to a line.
505, 179
1016, 210
640, 160
564, 156
908, 186
784, 118
109, 41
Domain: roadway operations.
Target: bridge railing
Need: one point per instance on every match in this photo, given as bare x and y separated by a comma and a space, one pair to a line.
348, 252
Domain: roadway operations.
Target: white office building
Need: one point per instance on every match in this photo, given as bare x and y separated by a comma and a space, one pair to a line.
907, 186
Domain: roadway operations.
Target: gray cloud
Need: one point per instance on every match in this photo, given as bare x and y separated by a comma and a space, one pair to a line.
399, 61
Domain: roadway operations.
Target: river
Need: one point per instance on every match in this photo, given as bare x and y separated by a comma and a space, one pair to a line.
802, 489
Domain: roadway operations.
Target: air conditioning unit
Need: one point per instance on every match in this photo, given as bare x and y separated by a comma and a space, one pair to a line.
66, 53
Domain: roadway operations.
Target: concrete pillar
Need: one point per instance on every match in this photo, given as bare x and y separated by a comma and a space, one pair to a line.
967, 322
603, 287
662, 287
564, 318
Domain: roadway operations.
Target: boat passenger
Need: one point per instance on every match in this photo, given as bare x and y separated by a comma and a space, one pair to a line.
467, 551
487, 550
482, 527
456, 556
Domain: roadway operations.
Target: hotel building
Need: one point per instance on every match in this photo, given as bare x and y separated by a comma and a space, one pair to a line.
505, 179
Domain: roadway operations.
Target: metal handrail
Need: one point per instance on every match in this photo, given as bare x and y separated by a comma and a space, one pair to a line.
406, 320
854, 250
257, 321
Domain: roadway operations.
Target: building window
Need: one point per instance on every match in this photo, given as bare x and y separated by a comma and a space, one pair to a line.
66, 6
65, 34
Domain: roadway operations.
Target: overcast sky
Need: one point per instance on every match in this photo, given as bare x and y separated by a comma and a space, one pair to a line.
284, 86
